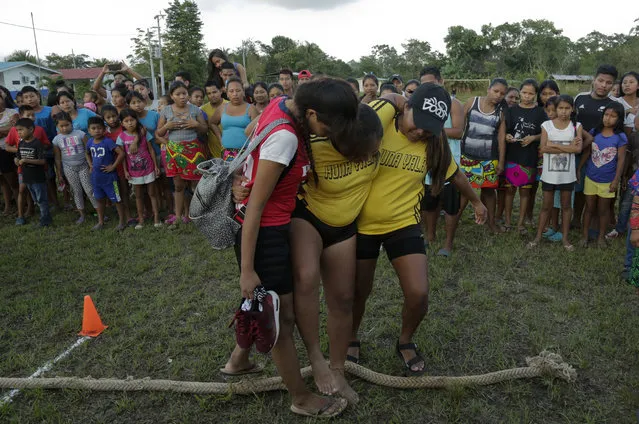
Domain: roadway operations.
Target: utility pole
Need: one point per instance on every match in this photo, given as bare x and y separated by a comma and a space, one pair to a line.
157, 17
153, 81
37, 54
73, 55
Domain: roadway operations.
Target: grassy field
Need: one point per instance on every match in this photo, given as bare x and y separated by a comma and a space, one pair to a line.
167, 298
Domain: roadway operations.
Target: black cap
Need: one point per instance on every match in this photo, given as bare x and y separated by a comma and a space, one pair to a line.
396, 77
431, 106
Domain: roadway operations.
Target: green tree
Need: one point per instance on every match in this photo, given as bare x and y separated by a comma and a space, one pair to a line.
21, 56
139, 57
467, 52
69, 61
248, 53
183, 40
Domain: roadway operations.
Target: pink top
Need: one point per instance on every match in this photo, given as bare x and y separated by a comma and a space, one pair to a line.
141, 163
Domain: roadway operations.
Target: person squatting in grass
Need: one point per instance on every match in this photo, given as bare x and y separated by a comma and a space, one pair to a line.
104, 157
414, 144
274, 170
561, 140
604, 164
69, 149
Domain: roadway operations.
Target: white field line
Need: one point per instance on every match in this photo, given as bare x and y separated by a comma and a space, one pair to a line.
46, 367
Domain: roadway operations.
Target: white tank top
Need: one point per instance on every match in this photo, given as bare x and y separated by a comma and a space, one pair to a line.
559, 168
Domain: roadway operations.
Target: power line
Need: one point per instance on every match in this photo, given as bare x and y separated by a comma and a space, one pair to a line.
66, 32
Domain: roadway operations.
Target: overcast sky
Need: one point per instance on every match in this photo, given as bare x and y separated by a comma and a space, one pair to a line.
357, 24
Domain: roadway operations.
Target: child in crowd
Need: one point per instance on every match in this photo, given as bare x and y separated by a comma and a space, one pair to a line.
90, 97
69, 148
104, 157
604, 166
523, 132
113, 130
141, 164
196, 96
163, 102
561, 140
11, 146
30, 156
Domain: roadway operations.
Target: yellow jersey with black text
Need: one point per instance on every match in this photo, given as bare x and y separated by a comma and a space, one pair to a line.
215, 146
342, 186
394, 199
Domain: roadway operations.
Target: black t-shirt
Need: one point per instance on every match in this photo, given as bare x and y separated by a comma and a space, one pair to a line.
520, 123
590, 110
31, 174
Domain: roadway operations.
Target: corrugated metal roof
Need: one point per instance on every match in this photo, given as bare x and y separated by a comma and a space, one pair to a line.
5, 66
560, 77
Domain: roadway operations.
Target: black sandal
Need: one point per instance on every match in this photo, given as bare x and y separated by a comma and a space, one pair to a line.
417, 359
352, 358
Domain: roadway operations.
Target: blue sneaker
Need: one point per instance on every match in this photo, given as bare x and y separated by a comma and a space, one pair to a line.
548, 233
20, 221
557, 237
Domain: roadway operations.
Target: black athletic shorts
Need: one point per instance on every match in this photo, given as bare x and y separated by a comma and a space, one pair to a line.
272, 258
405, 241
449, 198
330, 235
560, 187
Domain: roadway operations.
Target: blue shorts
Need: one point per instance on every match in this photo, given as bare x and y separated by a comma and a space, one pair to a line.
109, 190
557, 202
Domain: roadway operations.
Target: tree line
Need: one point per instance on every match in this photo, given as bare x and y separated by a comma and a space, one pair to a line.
513, 50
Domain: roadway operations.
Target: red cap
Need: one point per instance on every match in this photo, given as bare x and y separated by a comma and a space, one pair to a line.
304, 74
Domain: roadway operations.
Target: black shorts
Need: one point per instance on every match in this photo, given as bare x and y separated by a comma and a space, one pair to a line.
272, 258
405, 241
449, 198
330, 235
553, 187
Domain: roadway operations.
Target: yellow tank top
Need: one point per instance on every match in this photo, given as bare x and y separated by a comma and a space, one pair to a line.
397, 190
215, 145
342, 186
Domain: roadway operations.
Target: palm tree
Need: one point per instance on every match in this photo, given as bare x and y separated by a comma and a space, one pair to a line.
21, 56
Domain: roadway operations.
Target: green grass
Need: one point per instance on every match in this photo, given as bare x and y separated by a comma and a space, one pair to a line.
167, 298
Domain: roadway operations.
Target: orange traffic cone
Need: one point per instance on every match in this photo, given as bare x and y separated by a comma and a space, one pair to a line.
91, 323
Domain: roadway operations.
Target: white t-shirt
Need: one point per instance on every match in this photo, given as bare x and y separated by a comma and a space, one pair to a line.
279, 147
5, 118
629, 120
559, 168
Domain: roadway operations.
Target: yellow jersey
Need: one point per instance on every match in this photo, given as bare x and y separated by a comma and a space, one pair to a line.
215, 146
342, 186
396, 193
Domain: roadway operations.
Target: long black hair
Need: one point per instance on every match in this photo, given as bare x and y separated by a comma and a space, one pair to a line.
214, 73
8, 100
552, 84
336, 106
130, 113
618, 109
628, 74
68, 96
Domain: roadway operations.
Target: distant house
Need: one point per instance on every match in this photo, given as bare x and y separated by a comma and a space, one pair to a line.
75, 76
572, 78
15, 75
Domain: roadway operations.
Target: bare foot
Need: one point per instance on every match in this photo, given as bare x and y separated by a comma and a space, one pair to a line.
324, 378
238, 362
343, 388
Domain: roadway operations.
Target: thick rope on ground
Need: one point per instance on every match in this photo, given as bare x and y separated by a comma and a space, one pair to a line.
547, 364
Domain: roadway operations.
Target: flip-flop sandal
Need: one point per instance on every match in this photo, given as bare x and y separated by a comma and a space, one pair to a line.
354, 359
569, 247
333, 407
532, 245
557, 237
445, 253
409, 364
253, 369
523, 231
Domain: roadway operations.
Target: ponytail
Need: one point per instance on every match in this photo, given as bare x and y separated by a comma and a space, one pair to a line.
438, 157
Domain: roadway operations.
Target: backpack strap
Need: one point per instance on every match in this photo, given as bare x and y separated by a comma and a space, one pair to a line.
254, 142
